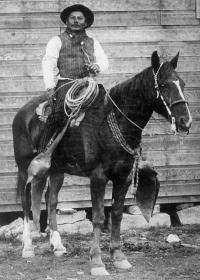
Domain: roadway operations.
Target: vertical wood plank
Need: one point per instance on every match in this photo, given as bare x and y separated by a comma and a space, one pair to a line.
198, 9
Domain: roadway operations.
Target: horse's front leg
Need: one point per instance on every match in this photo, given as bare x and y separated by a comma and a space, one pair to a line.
120, 188
97, 185
56, 181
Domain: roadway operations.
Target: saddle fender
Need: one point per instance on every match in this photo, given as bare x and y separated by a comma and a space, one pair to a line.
148, 188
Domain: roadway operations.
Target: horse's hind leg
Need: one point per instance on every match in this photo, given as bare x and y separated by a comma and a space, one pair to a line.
120, 188
56, 181
98, 183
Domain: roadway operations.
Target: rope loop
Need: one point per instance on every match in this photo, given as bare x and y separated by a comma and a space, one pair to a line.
80, 96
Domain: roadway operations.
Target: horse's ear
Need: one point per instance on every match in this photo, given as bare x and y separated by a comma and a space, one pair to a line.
174, 61
155, 61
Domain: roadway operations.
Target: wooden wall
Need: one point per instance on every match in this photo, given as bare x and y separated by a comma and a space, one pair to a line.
129, 32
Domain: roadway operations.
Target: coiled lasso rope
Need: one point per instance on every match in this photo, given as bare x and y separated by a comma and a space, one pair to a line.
76, 98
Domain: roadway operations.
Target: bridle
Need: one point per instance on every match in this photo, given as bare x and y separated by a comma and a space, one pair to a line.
168, 107
158, 95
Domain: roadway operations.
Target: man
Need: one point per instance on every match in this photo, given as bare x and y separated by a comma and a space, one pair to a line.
69, 56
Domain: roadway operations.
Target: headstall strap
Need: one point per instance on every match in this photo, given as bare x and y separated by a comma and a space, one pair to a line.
173, 122
136, 153
156, 80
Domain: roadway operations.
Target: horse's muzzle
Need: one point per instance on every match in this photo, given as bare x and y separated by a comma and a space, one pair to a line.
184, 124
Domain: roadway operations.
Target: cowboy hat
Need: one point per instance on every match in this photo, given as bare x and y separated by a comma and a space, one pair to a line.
86, 11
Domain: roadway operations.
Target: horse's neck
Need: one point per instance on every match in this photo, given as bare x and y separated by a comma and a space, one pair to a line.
133, 101
136, 97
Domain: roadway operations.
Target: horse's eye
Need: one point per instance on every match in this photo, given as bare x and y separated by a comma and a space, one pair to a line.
162, 85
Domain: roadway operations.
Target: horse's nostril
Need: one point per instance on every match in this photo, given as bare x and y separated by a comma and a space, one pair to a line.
185, 123
182, 121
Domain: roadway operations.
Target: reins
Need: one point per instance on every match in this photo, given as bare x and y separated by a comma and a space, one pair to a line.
107, 93
158, 95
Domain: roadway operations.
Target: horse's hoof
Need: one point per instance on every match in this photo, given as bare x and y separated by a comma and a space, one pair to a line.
60, 253
124, 264
28, 254
99, 271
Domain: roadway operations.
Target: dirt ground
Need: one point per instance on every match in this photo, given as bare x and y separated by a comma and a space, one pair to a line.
147, 250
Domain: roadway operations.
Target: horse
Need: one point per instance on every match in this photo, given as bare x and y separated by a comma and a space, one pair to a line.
105, 147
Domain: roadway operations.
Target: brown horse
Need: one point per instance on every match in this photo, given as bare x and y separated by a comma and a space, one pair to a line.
104, 147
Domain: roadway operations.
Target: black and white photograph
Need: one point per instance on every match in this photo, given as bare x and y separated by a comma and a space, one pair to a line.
99, 139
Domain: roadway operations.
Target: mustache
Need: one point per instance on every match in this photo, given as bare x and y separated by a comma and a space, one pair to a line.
77, 24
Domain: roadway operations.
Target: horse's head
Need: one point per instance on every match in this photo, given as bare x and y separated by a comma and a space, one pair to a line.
170, 101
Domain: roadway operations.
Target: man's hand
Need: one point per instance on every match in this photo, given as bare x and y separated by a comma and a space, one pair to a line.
93, 68
50, 92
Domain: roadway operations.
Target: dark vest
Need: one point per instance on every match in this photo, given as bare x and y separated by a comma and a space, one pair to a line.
74, 54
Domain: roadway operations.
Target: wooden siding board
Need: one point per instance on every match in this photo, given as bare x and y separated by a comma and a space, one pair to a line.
75, 196
120, 65
113, 50
20, 6
152, 129
157, 158
179, 18
157, 128
7, 115
71, 184
86, 204
161, 143
107, 19
118, 5
35, 84
122, 35
176, 173
198, 9
9, 102
171, 142
178, 5
76, 193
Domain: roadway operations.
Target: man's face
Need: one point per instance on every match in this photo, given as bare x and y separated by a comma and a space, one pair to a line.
76, 21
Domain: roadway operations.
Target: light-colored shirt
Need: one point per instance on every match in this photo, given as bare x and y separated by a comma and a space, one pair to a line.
49, 61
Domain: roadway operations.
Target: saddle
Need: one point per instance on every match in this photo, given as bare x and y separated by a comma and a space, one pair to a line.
44, 110
78, 98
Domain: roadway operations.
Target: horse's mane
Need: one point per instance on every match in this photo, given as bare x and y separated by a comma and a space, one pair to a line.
137, 85
133, 88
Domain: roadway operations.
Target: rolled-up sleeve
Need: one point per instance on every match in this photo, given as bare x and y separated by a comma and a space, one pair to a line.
100, 56
49, 62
